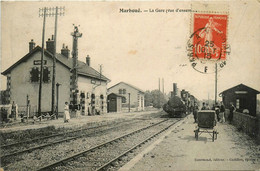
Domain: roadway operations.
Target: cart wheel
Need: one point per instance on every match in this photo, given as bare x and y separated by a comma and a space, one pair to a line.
213, 137
197, 134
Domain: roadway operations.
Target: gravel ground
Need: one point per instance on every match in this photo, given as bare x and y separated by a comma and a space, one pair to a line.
78, 133
25, 132
180, 151
39, 158
77, 122
100, 156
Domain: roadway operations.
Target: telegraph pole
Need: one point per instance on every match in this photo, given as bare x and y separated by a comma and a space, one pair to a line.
45, 12
159, 100
100, 71
54, 56
129, 107
57, 100
41, 71
216, 82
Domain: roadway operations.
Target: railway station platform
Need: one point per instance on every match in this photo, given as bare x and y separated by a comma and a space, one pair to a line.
73, 122
178, 149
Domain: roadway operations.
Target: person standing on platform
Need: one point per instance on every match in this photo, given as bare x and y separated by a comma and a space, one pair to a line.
66, 112
222, 112
217, 110
203, 106
14, 111
195, 112
232, 109
207, 106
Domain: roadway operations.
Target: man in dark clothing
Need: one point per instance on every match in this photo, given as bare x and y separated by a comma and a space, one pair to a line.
222, 112
13, 111
232, 109
203, 106
217, 109
195, 112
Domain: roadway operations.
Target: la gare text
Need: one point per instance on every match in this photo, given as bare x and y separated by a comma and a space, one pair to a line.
156, 10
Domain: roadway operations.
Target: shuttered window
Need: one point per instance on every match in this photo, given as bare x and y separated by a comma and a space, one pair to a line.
46, 75
35, 74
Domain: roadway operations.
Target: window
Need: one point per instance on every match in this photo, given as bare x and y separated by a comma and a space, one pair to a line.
124, 91
46, 75
35, 74
123, 100
237, 103
120, 91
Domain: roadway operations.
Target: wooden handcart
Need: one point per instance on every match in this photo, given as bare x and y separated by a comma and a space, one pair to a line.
206, 124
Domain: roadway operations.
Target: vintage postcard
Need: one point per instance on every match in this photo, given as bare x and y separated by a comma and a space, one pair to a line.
127, 85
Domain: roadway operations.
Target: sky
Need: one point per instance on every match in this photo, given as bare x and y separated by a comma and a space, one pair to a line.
138, 48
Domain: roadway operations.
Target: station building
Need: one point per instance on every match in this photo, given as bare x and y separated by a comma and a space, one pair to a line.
130, 95
23, 79
243, 97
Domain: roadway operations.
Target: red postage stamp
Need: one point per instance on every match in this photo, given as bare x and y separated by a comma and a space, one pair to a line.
209, 37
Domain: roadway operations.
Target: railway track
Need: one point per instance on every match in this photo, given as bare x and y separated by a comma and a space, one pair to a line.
101, 156
53, 135
69, 138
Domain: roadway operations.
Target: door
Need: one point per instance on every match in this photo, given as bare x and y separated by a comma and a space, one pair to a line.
112, 104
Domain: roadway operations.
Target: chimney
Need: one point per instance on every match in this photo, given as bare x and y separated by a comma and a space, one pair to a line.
175, 89
50, 45
88, 60
65, 51
31, 45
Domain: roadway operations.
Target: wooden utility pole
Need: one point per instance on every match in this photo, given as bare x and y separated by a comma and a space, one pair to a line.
159, 94
57, 100
100, 73
42, 12
216, 82
100, 76
54, 56
129, 107
27, 107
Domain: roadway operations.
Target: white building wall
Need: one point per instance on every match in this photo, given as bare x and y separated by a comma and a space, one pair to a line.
85, 85
133, 95
21, 84
63, 78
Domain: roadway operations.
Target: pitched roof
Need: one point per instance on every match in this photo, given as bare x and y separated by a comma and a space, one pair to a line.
240, 85
83, 69
127, 85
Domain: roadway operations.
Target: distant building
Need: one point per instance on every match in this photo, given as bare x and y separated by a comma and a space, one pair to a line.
136, 95
114, 102
23, 79
243, 98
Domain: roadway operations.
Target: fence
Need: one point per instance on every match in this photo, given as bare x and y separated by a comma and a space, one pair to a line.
246, 123
22, 110
32, 110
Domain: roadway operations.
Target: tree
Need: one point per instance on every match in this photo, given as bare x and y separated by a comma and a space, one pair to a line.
155, 98
148, 98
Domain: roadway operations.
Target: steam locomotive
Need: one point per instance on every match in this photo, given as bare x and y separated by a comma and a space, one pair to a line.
180, 106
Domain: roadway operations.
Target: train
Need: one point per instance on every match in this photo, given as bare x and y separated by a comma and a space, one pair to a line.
180, 106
